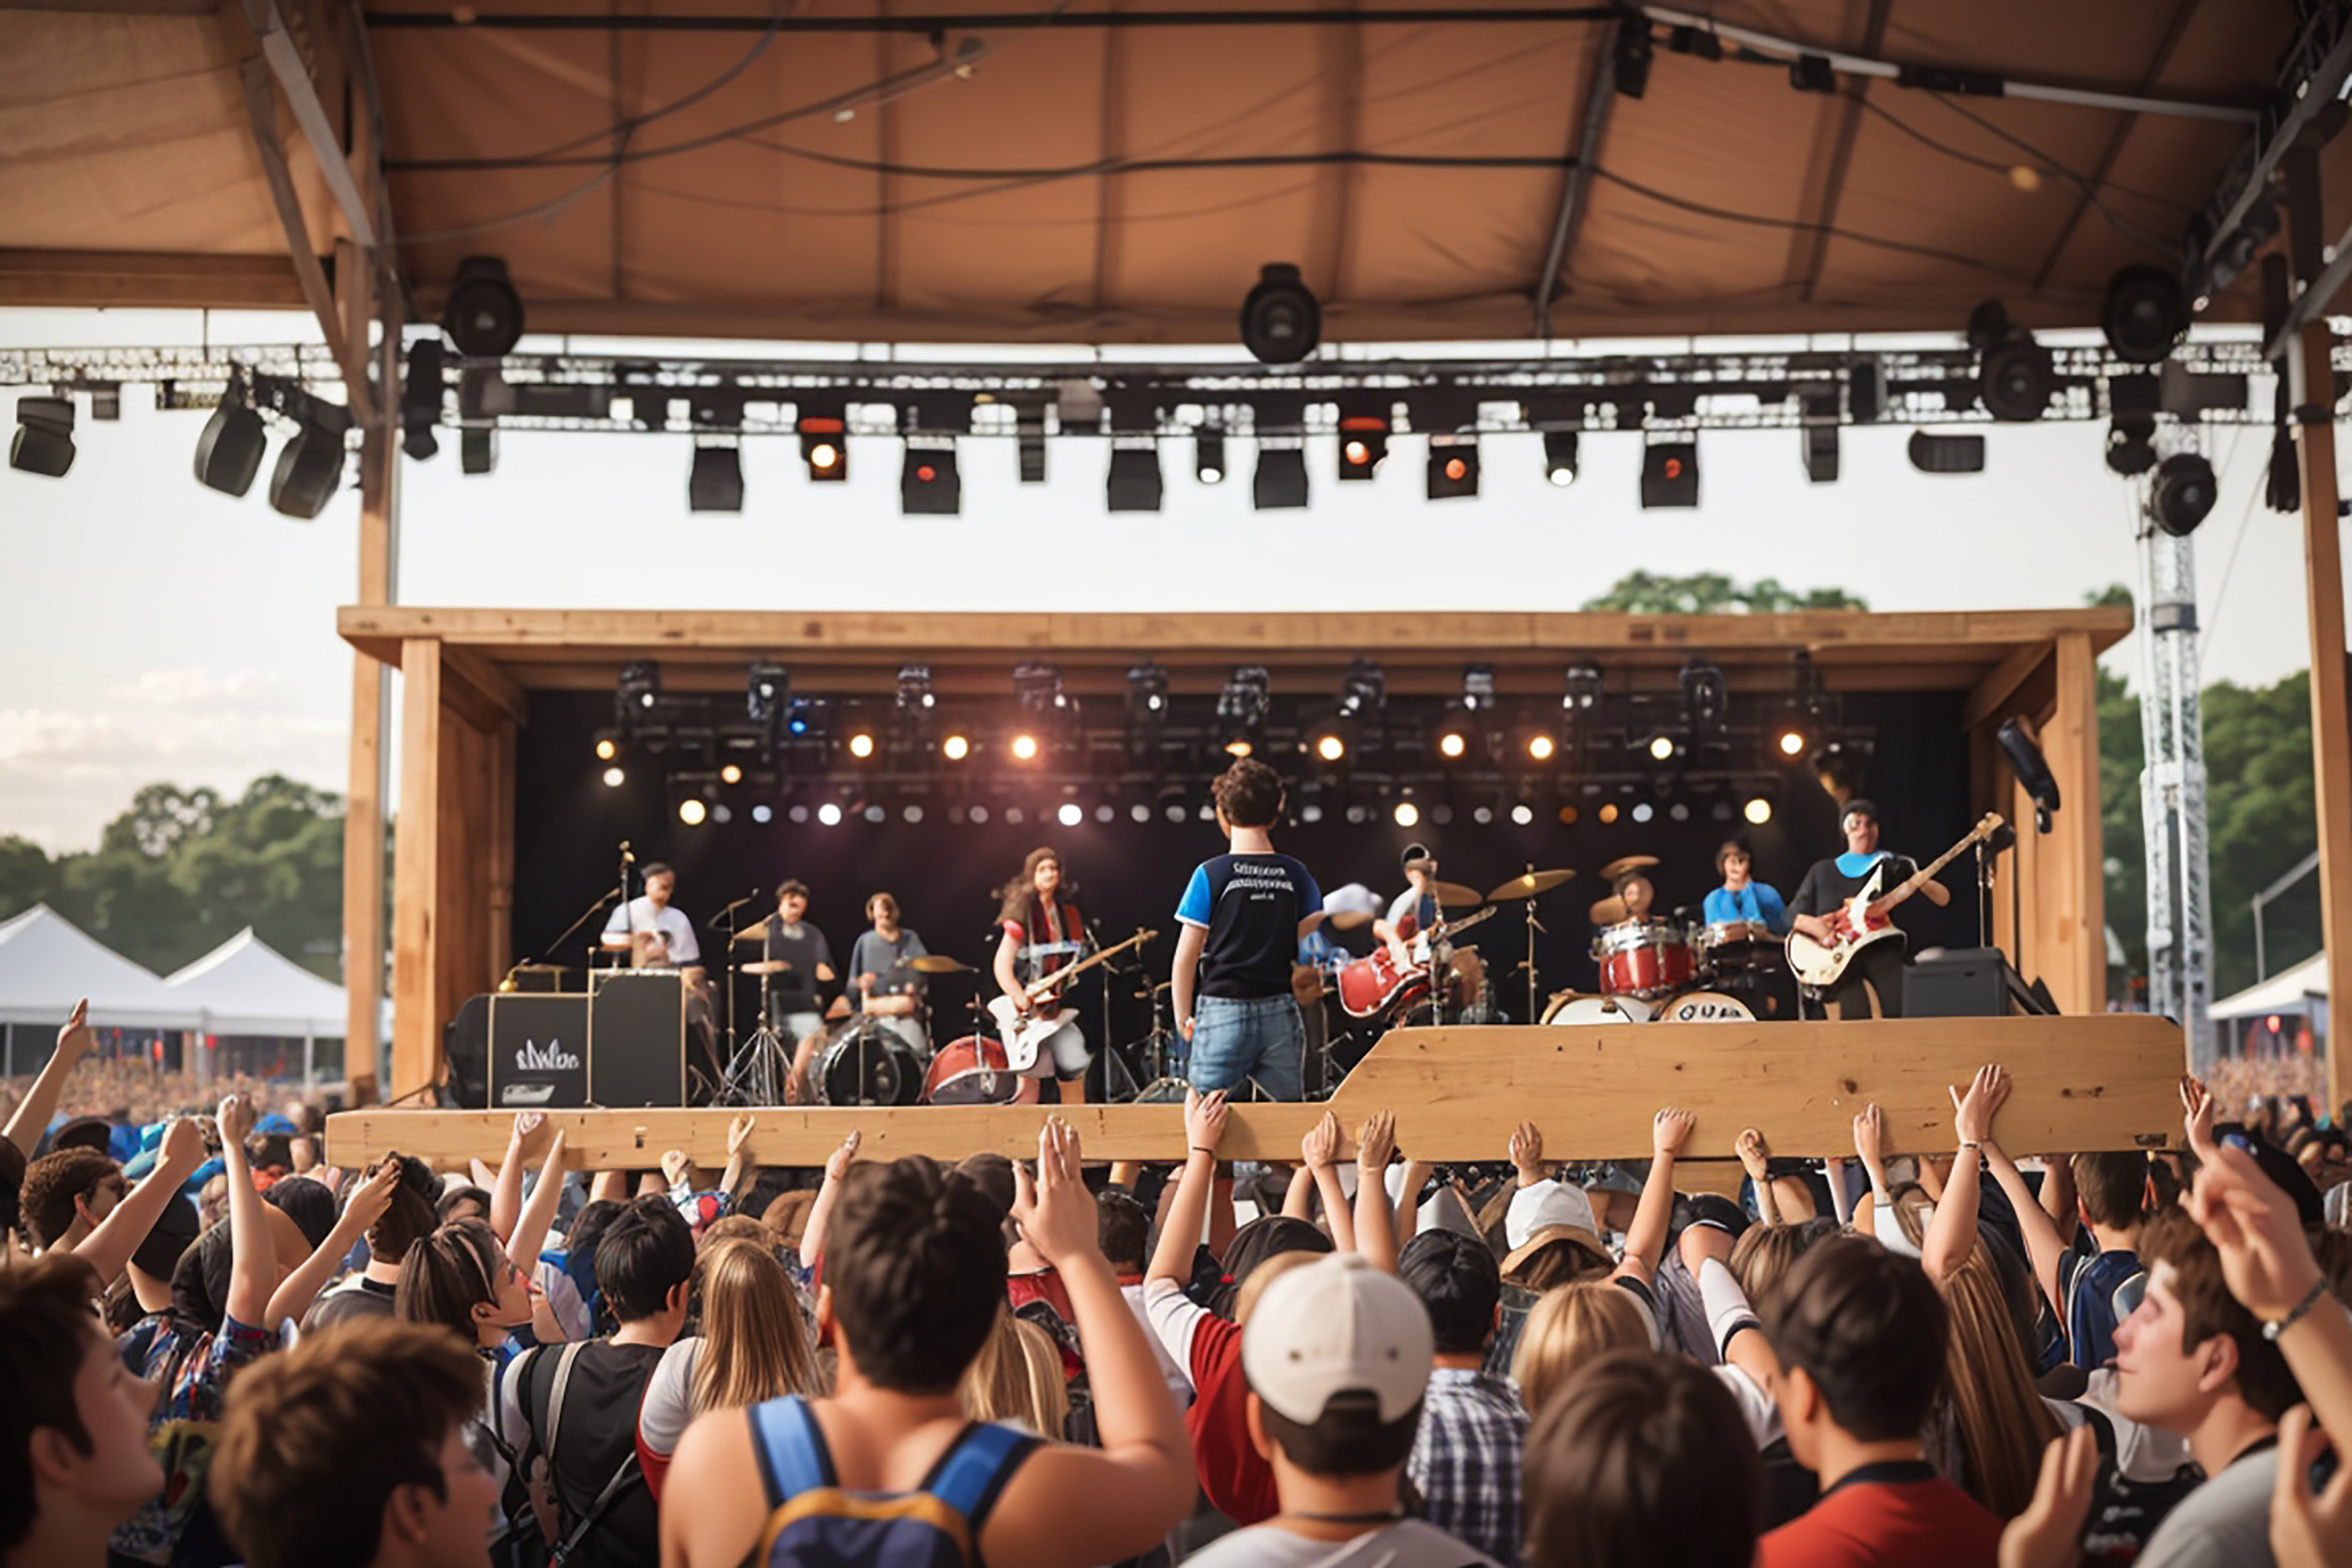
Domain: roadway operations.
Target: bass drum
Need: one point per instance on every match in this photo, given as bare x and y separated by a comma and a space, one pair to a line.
1705, 1008
972, 1071
1576, 1007
868, 1064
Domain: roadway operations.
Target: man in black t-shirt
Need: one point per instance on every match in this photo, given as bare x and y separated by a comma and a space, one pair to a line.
1872, 985
795, 1008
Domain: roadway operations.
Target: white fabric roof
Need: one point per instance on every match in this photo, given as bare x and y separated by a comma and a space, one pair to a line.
245, 986
2288, 991
48, 964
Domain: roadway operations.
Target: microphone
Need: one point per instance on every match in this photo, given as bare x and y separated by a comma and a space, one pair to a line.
626, 858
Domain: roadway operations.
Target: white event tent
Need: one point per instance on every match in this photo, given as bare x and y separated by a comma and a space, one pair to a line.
48, 964
245, 986
2289, 991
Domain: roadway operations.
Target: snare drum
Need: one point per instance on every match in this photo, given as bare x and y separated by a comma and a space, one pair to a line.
1734, 947
1577, 1008
972, 1071
867, 1064
1642, 958
1705, 1008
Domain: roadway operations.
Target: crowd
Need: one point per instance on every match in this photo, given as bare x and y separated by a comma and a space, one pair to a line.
1979, 1357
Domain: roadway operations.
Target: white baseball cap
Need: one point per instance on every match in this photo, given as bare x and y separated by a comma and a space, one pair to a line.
1334, 1326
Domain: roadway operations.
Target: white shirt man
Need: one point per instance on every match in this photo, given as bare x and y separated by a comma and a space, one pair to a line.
655, 916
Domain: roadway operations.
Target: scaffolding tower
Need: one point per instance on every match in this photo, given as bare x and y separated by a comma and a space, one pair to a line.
2172, 792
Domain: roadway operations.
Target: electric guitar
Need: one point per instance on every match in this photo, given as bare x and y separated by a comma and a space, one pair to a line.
1862, 920
1023, 1035
1373, 984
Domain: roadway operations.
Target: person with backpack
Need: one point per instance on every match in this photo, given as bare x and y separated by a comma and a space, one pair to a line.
887, 1471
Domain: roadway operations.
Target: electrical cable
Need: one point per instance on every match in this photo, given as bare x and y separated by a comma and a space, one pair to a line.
2169, 253
623, 129
2228, 566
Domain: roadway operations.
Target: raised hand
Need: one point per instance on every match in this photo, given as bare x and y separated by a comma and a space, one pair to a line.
675, 1166
1056, 1214
2265, 1260
2308, 1531
836, 1164
1376, 1144
236, 1117
2196, 1114
739, 1132
1869, 1134
527, 1122
1204, 1119
2048, 1533
1669, 1131
372, 1197
73, 1038
1753, 1151
1320, 1146
184, 1144
1973, 1109
1527, 1152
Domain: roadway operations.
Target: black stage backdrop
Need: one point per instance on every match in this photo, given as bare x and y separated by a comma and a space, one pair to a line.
569, 825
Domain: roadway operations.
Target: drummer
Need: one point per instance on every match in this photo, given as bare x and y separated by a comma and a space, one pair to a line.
887, 988
1635, 894
1741, 897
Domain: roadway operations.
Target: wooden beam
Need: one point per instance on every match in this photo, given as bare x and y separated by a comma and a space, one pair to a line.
2331, 725
2074, 885
416, 1014
2107, 1081
1988, 699
294, 79
363, 870
126, 279
495, 687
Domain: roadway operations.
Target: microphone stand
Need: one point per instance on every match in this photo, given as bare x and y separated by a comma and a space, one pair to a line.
603, 898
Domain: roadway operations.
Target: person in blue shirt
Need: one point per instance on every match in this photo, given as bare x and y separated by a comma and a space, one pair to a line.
1741, 897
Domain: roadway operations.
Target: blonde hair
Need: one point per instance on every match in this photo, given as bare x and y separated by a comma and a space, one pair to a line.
755, 1343
995, 1386
2004, 1424
1268, 1272
1569, 1326
1048, 1395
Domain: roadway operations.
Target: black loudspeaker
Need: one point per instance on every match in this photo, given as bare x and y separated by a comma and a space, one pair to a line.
539, 1051
1969, 982
466, 1048
636, 1024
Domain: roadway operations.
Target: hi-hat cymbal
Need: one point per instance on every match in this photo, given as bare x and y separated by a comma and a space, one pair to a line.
765, 966
1347, 919
1527, 884
1609, 911
1624, 863
938, 964
1453, 895
754, 932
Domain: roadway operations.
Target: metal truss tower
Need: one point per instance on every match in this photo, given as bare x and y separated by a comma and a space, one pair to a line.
2172, 792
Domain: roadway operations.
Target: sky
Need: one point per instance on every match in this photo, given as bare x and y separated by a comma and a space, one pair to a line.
159, 631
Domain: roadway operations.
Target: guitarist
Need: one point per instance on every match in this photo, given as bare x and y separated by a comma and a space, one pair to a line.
1043, 933
1872, 985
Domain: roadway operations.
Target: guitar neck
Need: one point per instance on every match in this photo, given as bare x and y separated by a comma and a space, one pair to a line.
1927, 873
1047, 985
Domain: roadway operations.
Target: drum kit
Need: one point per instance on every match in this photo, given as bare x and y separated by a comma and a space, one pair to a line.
1670, 971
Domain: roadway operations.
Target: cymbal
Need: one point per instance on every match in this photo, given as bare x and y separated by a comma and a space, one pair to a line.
1347, 919
1453, 895
754, 932
765, 966
1609, 911
1624, 863
1527, 884
938, 964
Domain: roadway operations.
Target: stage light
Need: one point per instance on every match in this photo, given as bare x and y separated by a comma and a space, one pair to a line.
1758, 810
1679, 810
1706, 696
1932, 454
1134, 484
1364, 445
1632, 50
1209, 455
228, 453
1561, 456
1452, 469
715, 482
1452, 743
1662, 747
692, 811
1540, 747
482, 312
1670, 473
1071, 815
767, 691
1146, 691
477, 450
825, 438
2015, 378
1025, 747
955, 748
1581, 688
2181, 493
1643, 810
763, 813
828, 815
915, 693
639, 692
1281, 322
731, 774
861, 745
1239, 747
1330, 747
1280, 482
1406, 814
1242, 708
928, 485
1523, 814
422, 391
608, 747
1608, 812
1792, 744
1362, 690
1819, 410
308, 468
614, 777
2144, 314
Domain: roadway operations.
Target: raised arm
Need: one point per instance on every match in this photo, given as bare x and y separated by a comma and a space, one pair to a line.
531, 1229
369, 1199
1320, 1150
1407, 1217
1204, 1126
820, 1214
740, 1165
1952, 1232
109, 1245
253, 1256
1706, 1254
2044, 1247
1755, 1157
1375, 1146
1645, 1239
31, 1117
505, 1193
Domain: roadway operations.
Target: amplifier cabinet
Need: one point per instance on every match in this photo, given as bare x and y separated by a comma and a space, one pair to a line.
539, 1051
636, 1026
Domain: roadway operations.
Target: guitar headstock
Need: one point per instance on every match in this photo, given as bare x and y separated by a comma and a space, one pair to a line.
1986, 825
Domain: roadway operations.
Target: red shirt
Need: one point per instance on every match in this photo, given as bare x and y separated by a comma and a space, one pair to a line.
1236, 1478
1888, 1515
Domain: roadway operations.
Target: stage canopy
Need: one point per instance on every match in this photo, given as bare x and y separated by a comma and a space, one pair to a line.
48, 964
2289, 991
245, 986
844, 170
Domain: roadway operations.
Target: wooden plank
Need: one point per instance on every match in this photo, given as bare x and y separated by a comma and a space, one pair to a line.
363, 868
2331, 725
2075, 888
2107, 1081
1988, 700
494, 685
417, 872
144, 279
499, 819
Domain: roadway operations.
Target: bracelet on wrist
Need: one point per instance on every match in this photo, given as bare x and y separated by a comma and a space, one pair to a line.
2297, 1313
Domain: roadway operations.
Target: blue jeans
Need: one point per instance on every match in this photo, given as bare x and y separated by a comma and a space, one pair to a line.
1260, 1037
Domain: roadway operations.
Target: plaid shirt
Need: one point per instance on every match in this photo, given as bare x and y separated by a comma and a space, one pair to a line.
176, 1525
1465, 1459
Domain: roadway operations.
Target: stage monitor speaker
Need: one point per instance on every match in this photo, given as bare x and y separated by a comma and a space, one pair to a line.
539, 1051
636, 1030
465, 1051
1960, 983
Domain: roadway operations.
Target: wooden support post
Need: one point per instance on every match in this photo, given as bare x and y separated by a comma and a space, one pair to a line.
417, 872
364, 869
2331, 726
2076, 965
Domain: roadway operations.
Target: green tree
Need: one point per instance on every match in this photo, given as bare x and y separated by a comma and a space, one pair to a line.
1713, 594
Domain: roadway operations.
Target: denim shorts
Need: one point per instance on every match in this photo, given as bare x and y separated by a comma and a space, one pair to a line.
1260, 1038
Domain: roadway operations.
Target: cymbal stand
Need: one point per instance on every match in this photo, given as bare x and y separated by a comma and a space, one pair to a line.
1527, 918
758, 1070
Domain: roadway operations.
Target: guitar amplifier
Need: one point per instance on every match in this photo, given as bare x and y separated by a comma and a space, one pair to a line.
1969, 982
539, 1051
636, 1026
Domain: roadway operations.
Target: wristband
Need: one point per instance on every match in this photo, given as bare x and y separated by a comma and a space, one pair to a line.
1198, 1148
1971, 1143
2297, 1313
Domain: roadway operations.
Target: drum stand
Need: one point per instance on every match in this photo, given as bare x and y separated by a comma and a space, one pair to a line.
1527, 918
761, 1067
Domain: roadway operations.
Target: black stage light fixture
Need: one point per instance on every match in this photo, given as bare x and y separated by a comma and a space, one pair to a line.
2131, 444
1363, 690
1818, 407
1633, 50
483, 313
43, 443
2032, 769
928, 485
637, 693
1281, 479
1452, 469
767, 688
1581, 688
1947, 454
2182, 492
1281, 322
308, 468
824, 427
715, 482
1147, 709
228, 453
421, 394
1242, 709
1209, 455
2015, 378
1363, 441
1670, 473
1134, 484
1987, 325
2144, 314
1561, 456
1706, 696
477, 449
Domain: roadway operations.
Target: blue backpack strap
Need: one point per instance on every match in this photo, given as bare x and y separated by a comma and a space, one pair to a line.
973, 1473
793, 1456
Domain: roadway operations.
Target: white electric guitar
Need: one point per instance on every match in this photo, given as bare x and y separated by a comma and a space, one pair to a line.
1023, 1035
1862, 920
